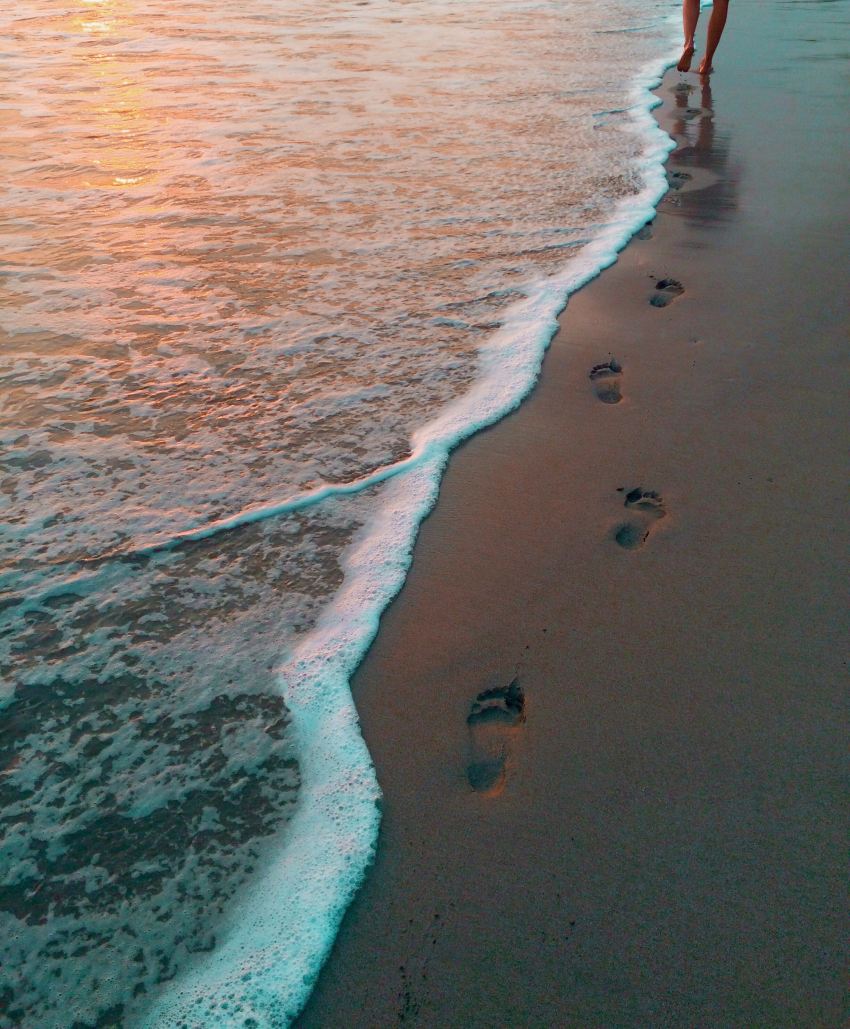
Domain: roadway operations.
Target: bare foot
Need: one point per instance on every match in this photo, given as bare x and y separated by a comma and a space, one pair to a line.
705, 68
685, 60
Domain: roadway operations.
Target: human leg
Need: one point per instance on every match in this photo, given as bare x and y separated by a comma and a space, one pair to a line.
690, 17
715, 31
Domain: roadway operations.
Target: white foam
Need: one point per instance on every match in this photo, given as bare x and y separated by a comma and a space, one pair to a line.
262, 972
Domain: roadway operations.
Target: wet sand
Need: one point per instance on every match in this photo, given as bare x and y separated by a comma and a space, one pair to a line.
666, 844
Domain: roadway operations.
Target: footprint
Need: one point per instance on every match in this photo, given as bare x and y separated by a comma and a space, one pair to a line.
649, 508
645, 232
493, 720
606, 378
677, 179
666, 291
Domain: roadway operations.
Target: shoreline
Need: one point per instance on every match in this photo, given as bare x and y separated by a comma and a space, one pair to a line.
510, 368
649, 702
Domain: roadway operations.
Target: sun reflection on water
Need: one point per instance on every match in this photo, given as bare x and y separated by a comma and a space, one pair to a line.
119, 127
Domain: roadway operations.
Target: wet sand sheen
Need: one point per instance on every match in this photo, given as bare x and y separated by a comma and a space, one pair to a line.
664, 845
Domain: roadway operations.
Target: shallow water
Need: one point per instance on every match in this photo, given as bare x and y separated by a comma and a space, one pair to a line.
249, 250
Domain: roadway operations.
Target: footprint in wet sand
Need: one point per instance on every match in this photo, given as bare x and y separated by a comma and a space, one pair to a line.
606, 380
666, 291
677, 179
493, 721
648, 508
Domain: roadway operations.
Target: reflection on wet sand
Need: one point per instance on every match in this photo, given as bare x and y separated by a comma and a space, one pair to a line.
700, 168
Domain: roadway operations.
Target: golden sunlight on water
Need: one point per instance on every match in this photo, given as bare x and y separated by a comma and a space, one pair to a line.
106, 122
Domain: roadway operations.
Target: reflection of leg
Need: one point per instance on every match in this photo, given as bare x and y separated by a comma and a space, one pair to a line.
705, 129
715, 31
690, 17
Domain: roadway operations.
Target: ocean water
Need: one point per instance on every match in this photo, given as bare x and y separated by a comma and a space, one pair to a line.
264, 264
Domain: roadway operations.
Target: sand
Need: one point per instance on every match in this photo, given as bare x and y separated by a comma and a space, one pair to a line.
666, 846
